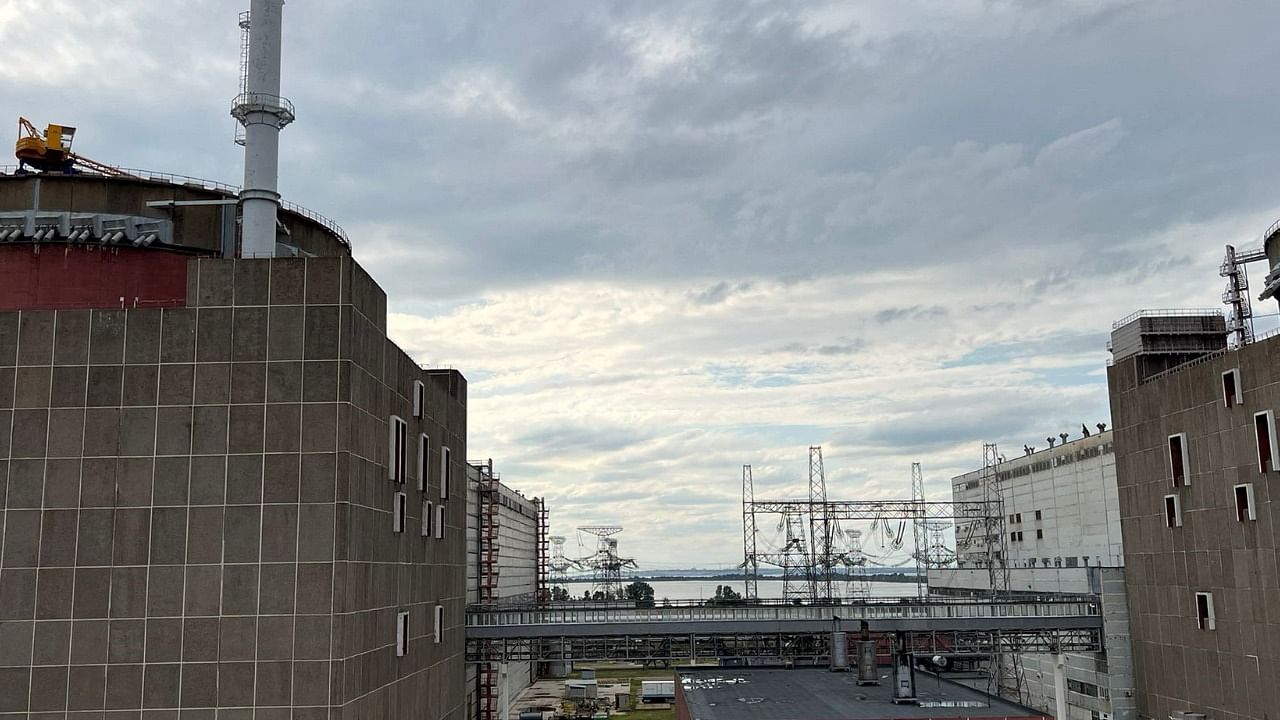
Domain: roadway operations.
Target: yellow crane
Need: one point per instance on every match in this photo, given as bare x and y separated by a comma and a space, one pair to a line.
50, 151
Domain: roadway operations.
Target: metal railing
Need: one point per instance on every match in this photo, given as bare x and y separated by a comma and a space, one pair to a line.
888, 608
205, 184
1166, 312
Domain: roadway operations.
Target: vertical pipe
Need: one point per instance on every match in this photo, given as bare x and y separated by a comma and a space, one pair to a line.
1060, 685
263, 113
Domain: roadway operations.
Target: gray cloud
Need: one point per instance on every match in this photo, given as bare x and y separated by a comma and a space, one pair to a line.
620, 219
915, 312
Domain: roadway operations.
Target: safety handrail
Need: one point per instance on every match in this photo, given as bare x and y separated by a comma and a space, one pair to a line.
188, 180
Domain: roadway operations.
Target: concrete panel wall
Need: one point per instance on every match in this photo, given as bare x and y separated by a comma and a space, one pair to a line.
196, 509
1228, 672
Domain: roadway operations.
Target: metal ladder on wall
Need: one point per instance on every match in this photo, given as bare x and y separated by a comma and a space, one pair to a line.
488, 535
543, 568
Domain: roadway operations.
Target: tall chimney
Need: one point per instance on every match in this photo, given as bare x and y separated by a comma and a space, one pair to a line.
263, 113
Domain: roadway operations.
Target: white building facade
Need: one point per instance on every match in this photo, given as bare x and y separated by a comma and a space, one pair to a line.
1062, 531
517, 577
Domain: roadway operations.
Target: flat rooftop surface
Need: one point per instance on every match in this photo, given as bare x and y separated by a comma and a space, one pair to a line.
818, 694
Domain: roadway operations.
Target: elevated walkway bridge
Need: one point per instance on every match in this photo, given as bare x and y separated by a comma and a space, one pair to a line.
688, 631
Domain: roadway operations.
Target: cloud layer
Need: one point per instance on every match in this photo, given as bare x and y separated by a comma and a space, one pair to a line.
665, 239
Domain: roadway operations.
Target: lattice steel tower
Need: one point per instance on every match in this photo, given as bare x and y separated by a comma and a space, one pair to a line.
819, 527
750, 563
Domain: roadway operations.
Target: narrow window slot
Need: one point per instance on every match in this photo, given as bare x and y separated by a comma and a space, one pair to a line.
1172, 511
424, 462
1264, 426
446, 472
1245, 510
398, 435
1204, 611
1231, 388
398, 512
402, 634
1179, 475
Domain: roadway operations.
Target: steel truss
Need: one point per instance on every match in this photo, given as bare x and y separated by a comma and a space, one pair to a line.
812, 646
873, 509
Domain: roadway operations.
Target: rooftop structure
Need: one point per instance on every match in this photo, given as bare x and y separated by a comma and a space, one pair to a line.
815, 694
1162, 339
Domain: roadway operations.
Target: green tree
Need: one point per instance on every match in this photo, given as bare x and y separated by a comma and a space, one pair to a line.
725, 595
559, 594
641, 592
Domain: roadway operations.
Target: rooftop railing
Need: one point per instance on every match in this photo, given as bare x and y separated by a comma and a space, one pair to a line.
1166, 312
214, 185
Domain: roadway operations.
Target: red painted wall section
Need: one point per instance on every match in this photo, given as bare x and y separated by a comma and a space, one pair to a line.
54, 277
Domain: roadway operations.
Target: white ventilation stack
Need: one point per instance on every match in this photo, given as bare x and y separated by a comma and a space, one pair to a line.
263, 113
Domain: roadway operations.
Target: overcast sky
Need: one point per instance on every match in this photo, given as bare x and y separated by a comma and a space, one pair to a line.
663, 239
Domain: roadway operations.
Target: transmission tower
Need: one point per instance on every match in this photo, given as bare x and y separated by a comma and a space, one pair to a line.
856, 583
820, 562
797, 570
559, 565
605, 563
750, 563
997, 541
920, 551
1005, 675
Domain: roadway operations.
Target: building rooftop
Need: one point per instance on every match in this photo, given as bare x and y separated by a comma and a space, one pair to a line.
818, 694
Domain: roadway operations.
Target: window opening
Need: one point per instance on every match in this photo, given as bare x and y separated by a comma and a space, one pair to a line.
1264, 426
398, 512
446, 472
424, 464
1204, 611
396, 451
1231, 388
402, 634
1172, 511
419, 398
1178, 460
1244, 503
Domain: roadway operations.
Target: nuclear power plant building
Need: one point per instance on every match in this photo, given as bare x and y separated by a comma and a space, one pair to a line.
225, 490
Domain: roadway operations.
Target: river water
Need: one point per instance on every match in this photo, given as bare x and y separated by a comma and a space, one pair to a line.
769, 589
